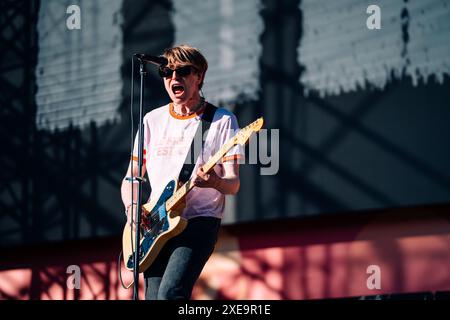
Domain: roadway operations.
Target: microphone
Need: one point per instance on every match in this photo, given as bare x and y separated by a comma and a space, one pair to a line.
157, 60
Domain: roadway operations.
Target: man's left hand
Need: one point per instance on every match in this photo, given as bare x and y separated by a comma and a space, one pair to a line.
206, 180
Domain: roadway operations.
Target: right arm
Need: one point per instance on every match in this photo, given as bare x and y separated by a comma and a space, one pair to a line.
125, 188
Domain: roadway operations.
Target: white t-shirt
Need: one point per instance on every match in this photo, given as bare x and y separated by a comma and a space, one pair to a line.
167, 140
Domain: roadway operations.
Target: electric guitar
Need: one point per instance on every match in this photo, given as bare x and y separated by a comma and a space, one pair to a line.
161, 218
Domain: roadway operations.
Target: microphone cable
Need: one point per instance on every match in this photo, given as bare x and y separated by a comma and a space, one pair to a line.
132, 177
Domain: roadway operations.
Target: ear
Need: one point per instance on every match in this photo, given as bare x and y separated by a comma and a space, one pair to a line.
200, 77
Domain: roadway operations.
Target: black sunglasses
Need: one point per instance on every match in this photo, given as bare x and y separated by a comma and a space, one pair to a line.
165, 72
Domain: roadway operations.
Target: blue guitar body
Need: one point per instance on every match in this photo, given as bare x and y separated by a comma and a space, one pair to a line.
157, 227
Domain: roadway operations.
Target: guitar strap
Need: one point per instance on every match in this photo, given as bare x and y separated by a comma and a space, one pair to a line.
193, 153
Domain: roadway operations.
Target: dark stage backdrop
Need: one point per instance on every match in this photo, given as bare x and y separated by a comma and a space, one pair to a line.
371, 147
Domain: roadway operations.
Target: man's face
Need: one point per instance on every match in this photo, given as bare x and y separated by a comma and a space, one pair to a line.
182, 86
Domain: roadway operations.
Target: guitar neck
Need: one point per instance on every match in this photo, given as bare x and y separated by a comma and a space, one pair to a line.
184, 189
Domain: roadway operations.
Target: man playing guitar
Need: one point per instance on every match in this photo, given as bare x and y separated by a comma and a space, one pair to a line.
168, 134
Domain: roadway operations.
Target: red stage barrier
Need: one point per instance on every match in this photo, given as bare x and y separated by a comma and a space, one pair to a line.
285, 259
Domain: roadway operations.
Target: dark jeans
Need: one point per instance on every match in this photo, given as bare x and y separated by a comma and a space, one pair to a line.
180, 262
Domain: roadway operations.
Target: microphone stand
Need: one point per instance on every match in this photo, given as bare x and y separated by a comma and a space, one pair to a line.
139, 179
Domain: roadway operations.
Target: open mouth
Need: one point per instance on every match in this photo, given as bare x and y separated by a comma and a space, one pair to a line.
177, 89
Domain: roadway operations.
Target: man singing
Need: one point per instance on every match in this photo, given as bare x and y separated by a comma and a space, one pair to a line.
168, 134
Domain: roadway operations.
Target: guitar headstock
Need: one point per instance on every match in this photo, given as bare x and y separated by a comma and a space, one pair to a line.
244, 134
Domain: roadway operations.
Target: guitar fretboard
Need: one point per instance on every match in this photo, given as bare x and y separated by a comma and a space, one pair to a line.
184, 189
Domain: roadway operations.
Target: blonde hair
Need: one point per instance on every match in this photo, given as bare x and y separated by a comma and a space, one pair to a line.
187, 55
